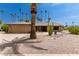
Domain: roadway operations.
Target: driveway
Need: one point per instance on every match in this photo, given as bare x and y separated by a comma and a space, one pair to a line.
4, 36
62, 43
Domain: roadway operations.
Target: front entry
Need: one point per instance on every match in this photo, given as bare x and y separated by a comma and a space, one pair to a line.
56, 28
41, 28
44, 28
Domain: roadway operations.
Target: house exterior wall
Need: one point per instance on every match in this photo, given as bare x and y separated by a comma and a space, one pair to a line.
26, 28
61, 28
19, 28
58, 28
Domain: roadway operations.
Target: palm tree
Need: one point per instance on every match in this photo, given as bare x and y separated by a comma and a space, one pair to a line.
66, 24
20, 10
33, 12
45, 13
13, 17
18, 17
49, 18
38, 19
73, 23
25, 15
41, 15
21, 14
1, 11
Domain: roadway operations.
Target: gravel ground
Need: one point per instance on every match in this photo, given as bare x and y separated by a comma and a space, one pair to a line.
62, 43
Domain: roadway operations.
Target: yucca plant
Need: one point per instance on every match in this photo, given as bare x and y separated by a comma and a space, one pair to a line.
50, 27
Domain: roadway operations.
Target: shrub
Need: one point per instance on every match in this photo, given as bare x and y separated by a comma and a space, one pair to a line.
65, 28
74, 29
5, 28
50, 29
0, 21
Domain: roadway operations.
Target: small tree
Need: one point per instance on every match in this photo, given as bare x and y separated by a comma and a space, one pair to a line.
5, 28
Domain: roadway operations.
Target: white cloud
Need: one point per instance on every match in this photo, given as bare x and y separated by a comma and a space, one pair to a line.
56, 4
74, 16
70, 17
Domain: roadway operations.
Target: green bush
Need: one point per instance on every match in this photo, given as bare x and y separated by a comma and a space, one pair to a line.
65, 28
0, 21
50, 29
5, 28
74, 29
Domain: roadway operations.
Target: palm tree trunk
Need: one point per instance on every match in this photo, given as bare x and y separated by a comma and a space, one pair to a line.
33, 12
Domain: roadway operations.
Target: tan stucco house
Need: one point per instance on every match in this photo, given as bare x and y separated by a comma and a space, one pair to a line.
25, 27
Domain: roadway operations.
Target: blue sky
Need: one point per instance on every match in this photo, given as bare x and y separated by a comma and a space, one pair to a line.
59, 12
